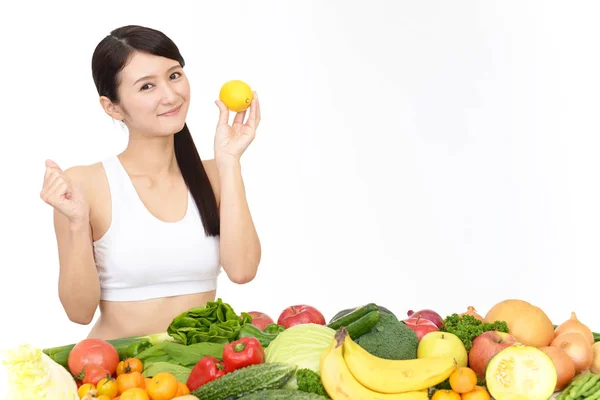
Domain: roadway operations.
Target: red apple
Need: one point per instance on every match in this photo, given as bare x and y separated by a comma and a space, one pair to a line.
300, 314
427, 314
485, 346
421, 326
260, 320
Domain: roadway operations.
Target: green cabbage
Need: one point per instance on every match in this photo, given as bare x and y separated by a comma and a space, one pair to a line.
33, 375
301, 345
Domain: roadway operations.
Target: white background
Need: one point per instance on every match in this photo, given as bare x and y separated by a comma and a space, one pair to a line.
415, 154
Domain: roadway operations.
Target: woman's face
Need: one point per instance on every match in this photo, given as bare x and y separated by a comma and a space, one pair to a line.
154, 95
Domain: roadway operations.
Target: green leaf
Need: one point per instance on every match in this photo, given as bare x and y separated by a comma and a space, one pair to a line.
181, 373
216, 322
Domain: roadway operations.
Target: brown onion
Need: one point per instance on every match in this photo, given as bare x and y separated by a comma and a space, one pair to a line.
577, 347
574, 325
565, 367
471, 311
595, 368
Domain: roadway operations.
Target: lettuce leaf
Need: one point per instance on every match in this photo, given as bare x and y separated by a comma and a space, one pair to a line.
215, 322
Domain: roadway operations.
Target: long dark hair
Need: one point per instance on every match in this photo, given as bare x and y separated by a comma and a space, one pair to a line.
109, 58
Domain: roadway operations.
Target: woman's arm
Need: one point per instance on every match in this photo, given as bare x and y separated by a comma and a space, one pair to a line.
78, 283
240, 248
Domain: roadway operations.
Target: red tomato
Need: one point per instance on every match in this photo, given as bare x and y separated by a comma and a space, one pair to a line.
93, 352
94, 374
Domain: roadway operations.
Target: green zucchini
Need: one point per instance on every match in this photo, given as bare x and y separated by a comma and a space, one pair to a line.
282, 394
353, 316
247, 380
363, 325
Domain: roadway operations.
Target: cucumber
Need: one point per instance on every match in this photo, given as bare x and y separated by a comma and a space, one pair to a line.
247, 380
347, 311
363, 325
353, 316
282, 394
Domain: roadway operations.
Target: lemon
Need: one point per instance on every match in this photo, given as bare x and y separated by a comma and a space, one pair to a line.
236, 95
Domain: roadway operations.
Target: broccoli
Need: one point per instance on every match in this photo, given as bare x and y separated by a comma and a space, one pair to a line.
391, 339
309, 381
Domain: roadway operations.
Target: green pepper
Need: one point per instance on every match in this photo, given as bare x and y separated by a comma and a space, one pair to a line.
264, 337
133, 349
274, 328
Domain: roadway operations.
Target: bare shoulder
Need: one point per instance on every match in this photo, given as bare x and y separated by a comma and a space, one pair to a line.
86, 177
213, 176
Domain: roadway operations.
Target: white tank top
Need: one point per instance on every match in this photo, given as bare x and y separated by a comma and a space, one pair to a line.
141, 257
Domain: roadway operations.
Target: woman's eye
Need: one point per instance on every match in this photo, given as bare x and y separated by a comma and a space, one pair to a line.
175, 75
146, 86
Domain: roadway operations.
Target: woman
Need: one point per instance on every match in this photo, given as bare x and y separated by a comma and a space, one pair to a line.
143, 234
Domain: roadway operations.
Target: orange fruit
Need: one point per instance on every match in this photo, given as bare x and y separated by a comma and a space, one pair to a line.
182, 389
129, 381
104, 397
163, 386
478, 393
463, 380
445, 394
134, 394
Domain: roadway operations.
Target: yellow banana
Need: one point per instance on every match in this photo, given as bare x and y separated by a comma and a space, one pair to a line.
394, 376
341, 385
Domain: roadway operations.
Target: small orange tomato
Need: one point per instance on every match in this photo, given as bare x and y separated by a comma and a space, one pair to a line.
130, 365
129, 381
134, 394
103, 397
479, 393
463, 380
163, 386
108, 387
445, 394
83, 389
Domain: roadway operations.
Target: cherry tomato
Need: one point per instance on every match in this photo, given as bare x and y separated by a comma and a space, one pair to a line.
130, 365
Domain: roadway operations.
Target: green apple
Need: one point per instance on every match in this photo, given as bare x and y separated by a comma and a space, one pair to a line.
443, 344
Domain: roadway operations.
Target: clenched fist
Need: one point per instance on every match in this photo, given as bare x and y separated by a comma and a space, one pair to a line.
60, 193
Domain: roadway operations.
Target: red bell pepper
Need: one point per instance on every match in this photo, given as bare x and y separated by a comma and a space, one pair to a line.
207, 369
242, 353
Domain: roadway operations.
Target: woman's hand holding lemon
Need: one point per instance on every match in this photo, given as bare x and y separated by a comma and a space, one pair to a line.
232, 140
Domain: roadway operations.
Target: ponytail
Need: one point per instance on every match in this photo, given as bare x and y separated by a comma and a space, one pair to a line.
197, 180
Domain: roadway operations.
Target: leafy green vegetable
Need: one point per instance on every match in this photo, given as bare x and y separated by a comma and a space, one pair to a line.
310, 382
467, 327
300, 345
32, 374
180, 354
265, 337
181, 373
214, 322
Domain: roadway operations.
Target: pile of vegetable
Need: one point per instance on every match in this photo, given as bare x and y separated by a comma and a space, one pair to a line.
214, 353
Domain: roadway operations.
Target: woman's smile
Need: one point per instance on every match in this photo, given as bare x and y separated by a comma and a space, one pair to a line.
171, 112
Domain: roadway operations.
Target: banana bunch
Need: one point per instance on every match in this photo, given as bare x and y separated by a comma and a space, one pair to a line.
349, 372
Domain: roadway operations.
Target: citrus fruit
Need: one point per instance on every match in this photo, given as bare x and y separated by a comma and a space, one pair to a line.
236, 95
445, 394
479, 393
163, 386
463, 380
